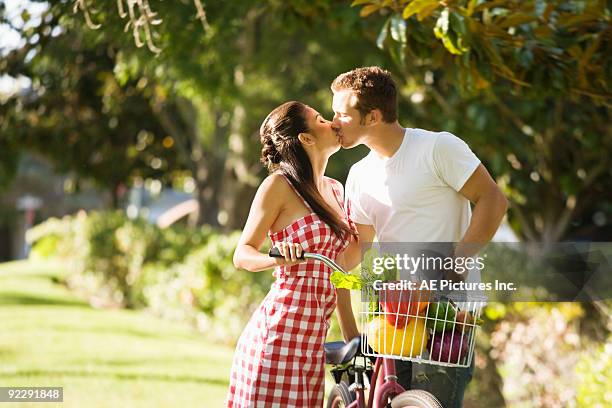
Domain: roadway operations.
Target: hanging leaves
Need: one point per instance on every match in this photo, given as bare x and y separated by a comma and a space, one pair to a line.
529, 42
420, 6
451, 38
140, 17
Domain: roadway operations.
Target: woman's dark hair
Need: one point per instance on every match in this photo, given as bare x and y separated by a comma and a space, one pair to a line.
283, 153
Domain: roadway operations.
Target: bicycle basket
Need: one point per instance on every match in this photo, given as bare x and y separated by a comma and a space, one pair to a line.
419, 326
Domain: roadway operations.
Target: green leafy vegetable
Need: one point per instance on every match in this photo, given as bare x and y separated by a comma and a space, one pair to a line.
346, 281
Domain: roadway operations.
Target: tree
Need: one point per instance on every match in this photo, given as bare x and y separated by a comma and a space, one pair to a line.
77, 114
527, 83
219, 82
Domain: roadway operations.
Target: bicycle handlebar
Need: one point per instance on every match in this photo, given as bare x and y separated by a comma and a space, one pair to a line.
275, 253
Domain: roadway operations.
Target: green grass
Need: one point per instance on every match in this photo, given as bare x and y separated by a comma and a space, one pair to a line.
102, 358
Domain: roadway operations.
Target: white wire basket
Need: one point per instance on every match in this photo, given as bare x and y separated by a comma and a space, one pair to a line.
419, 326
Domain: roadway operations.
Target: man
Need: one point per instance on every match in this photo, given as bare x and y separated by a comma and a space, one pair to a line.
413, 186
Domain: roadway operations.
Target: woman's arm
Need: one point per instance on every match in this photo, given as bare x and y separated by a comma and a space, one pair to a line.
264, 210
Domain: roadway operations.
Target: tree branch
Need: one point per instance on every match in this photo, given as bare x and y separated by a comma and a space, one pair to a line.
526, 226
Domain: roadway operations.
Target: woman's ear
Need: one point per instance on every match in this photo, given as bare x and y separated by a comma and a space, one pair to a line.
306, 139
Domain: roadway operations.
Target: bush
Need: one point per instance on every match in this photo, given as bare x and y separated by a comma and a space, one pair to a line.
179, 272
208, 290
107, 252
52, 238
594, 372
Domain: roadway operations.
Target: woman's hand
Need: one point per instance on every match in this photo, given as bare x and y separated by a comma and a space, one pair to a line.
291, 251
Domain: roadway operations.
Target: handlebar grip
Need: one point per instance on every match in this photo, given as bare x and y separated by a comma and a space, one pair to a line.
275, 253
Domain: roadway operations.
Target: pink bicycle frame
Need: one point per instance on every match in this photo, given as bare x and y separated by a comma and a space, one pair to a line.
384, 385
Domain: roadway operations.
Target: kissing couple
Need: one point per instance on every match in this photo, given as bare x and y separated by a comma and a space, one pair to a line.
415, 185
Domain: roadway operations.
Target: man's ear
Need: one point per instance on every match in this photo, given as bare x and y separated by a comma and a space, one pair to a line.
373, 117
306, 139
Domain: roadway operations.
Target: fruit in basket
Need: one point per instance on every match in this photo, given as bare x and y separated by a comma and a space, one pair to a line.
441, 316
400, 306
408, 341
465, 321
465, 317
450, 347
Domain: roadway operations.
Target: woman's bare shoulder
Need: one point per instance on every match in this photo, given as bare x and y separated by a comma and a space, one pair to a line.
275, 184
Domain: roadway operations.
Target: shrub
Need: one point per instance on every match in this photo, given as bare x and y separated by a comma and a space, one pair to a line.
179, 273
594, 372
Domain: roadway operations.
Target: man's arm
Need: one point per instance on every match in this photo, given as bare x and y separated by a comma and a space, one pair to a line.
490, 206
351, 257
346, 318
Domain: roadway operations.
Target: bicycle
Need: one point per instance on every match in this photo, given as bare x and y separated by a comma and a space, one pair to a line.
377, 373
380, 380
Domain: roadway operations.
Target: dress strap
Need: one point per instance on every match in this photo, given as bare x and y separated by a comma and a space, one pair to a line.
297, 192
339, 198
336, 192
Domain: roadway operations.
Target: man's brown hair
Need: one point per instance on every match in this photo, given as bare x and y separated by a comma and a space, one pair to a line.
375, 89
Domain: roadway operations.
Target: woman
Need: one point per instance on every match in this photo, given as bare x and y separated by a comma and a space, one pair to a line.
280, 359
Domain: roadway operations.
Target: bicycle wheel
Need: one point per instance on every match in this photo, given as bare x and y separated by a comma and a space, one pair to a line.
340, 396
415, 398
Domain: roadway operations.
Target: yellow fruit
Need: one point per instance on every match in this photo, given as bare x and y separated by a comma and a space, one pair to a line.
384, 338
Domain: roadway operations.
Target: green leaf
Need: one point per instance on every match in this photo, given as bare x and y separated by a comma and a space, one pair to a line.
416, 6
398, 29
451, 39
441, 27
470, 7
367, 10
427, 11
493, 54
457, 23
516, 19
360, 2
382, 36
346, 281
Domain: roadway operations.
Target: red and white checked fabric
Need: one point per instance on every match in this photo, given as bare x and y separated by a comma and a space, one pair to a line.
280, 360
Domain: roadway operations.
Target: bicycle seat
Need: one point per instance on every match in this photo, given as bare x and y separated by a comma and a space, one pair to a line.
339, 352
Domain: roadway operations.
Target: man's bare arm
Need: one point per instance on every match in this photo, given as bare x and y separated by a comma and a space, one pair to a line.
351, 257
490, 206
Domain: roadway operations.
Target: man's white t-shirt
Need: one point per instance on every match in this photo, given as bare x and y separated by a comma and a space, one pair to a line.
413, 195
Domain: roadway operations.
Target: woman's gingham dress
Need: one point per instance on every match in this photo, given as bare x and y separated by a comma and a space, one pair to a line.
280, 359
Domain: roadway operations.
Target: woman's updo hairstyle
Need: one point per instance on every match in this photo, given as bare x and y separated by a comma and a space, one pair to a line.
279, 133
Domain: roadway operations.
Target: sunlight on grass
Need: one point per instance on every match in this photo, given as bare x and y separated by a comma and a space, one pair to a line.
102, 358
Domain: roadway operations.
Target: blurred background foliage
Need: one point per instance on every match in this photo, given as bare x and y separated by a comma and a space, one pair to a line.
181, 273
525, 83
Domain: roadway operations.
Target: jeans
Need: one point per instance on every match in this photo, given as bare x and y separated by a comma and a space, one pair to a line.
447, 384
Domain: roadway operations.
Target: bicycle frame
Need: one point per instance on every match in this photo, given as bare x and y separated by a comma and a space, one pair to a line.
383, 385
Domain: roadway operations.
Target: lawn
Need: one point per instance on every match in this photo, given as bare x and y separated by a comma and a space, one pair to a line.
102, 358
